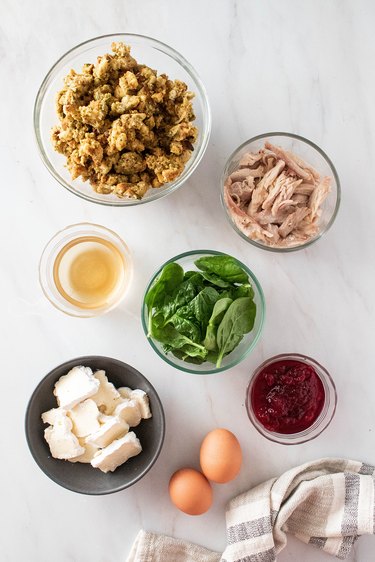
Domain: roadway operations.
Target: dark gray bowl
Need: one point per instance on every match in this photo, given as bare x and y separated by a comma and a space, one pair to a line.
83, 478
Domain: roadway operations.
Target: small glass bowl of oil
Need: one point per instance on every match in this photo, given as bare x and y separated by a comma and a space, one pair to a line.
85, 270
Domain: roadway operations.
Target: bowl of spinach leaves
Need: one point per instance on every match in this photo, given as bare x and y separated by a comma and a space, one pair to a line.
203, 311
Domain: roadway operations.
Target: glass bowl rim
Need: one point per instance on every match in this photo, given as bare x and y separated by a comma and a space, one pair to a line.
95, 312
320, 424
205, 133
324, 156
262, 313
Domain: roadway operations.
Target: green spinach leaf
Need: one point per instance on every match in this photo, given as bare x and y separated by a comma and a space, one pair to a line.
194, 276
212, 357
182, 295
186, 311
200, 307
180, 354
215, 280
186, 327
169, 336
237, 321
196, 360
245, 290
169, 278
224, 266
227, 293
203, 305
220, 308
236, 291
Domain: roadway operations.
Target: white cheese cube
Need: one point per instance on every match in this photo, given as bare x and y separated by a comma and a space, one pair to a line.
62, 442
51, 416
88, 455
129, 411
107, 397
103, 418
118, 452
85, 418
75, 387
125, 391
143, 402
110, 430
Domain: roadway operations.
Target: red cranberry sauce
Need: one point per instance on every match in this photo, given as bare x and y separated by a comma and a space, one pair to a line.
287, 396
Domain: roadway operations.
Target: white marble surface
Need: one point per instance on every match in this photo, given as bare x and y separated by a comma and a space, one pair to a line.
305, 67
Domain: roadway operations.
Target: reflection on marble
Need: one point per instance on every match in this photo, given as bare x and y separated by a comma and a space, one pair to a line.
304, 67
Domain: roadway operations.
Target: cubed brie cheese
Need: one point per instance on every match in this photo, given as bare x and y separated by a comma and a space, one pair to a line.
104, 418
143, 402
88, 455
51, 416
62, 442
110, 430
107, 397
92, 420
75, 387
129, 411
125, 391
118, 452
85, 418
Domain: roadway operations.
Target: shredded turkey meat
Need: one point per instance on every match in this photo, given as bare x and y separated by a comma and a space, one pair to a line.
274, 197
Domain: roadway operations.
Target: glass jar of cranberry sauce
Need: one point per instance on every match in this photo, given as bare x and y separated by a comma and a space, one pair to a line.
291, 398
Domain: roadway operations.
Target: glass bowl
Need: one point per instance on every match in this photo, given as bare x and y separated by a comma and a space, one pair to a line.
186, 260
147, 51
51, 253
323, 420
309, 152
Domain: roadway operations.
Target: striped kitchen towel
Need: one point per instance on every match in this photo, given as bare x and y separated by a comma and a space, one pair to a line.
326, 503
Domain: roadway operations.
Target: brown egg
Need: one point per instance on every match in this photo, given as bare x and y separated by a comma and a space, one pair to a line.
220, 456
190, 491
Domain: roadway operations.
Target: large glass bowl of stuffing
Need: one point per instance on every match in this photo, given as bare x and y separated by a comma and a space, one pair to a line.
125, 141
280, 191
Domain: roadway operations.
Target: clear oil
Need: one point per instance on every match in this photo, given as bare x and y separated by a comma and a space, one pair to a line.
88, 272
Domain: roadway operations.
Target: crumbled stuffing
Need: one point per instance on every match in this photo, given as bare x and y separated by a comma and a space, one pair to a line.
123, 127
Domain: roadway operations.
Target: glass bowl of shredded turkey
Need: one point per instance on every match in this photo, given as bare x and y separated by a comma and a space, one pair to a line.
121, 120
280, 192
